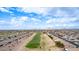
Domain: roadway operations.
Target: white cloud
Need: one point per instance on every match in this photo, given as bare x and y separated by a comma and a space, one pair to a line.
39, 10
36, 20
17, 22
2, 21
5, 10
49, 21
66, 20
23, 18
14, 22
60, 13
61, 20
64, 12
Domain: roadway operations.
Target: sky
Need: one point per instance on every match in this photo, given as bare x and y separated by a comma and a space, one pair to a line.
39, 18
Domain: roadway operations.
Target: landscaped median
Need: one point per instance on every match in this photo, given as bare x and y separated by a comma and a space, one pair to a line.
35, 42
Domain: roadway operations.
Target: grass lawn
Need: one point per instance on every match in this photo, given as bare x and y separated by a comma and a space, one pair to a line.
35, 42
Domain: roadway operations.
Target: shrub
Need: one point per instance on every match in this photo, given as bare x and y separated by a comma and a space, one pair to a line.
50, 36
59, 44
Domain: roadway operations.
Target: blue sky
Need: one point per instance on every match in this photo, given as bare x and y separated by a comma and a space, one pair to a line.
39, 17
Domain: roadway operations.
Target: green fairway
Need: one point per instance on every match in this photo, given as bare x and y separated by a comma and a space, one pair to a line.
35, 42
